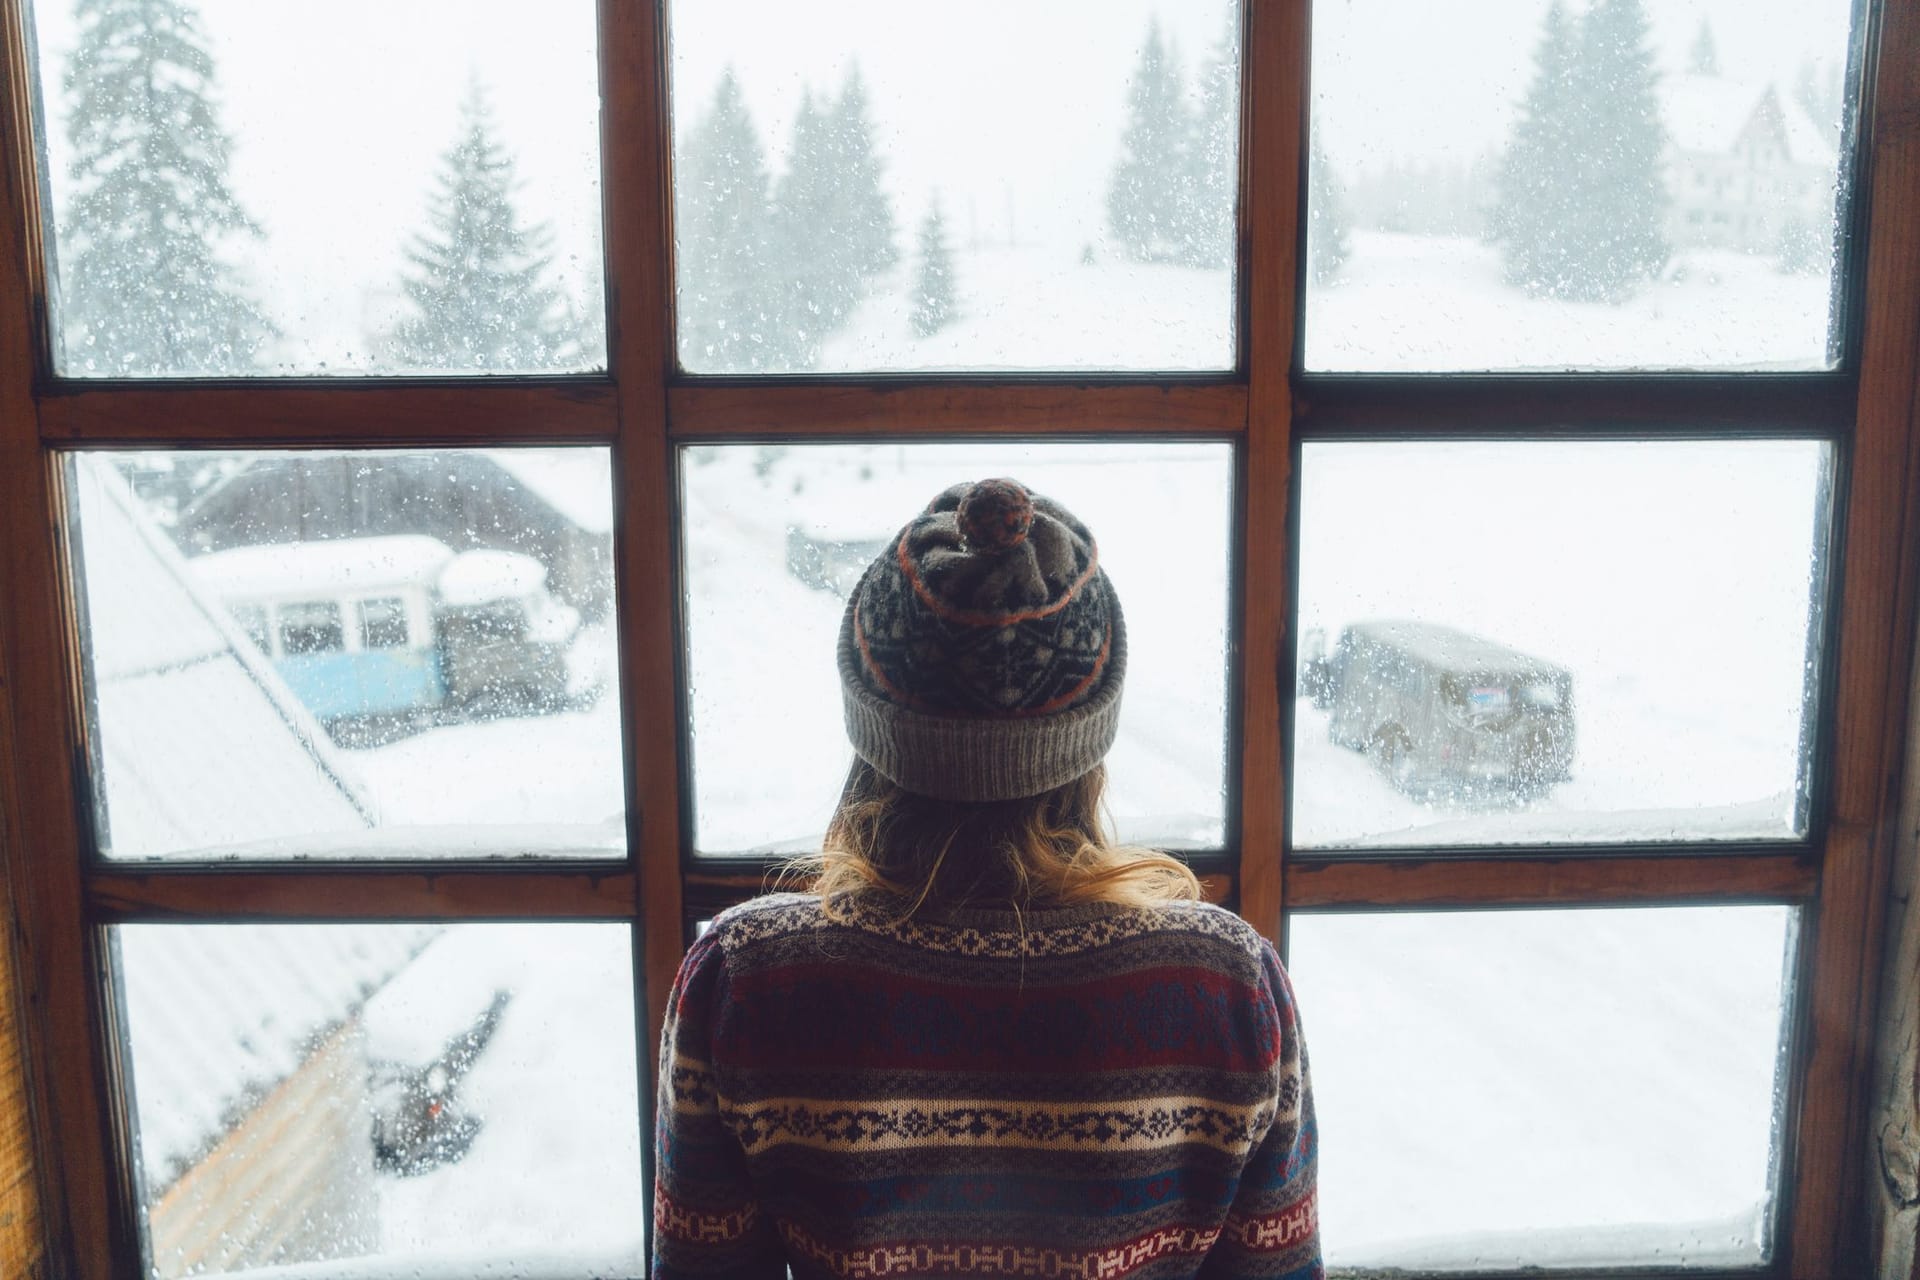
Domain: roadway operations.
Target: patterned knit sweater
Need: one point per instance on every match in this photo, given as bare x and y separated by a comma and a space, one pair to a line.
1094, 1091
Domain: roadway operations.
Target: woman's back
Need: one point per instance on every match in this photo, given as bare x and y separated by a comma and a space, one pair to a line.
1095, 1090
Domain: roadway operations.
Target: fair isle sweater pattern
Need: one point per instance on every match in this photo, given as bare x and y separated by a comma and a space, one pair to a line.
1094, 1092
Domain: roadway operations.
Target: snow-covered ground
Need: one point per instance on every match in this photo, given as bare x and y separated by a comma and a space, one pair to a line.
1511, 1088
1413, 303
1672, 579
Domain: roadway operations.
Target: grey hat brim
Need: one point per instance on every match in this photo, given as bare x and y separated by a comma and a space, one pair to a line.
980, 759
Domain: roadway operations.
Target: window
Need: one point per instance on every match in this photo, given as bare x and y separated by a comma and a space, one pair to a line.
1534, 678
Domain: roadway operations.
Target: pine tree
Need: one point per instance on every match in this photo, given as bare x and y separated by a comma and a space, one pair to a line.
144, 288
728, 288
1327, 246
833, 222
1617, 222
814, 296
1704, 58
1144, 200
1213, 186
482, 294
1535, 185
933, 291
866, 216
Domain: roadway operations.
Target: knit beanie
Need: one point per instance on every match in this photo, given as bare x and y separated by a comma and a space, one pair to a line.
982, 653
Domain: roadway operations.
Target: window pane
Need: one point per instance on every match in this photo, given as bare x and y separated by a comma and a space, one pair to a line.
776, 536
1576, 184
1575, 1088
1556, 642
979, 187
373, 189
331, 654
315, 1092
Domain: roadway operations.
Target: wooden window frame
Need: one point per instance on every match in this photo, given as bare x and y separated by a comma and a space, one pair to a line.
645, 411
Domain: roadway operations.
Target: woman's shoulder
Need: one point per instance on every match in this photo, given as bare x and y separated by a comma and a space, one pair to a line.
767, 916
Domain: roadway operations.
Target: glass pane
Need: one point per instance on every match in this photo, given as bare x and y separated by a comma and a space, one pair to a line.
329, 1092
776, 536
372, 189
1576, 184
331, 654
1556, 642
1551, 1089
990, 186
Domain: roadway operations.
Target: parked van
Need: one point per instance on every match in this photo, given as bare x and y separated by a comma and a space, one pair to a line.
1442, 711
401, 626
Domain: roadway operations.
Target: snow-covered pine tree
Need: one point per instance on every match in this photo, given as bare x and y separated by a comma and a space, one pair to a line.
483, 299
933, 291
814, 292
866, 218
1213, 183
1617, 222
1704, 58
728, 289
1327, 246
1535, 188
1144, 205
144, 288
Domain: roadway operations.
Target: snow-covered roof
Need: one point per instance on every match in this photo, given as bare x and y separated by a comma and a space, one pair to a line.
201, 744
282, 570
577, 483
1708, 114
479, 577
219, 1014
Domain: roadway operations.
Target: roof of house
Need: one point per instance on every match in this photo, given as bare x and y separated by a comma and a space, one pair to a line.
330, 567
1708, 114
203, 747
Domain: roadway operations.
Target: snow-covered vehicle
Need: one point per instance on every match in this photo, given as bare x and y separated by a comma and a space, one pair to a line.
833, 560
419, 1121
403, 626
1443, 712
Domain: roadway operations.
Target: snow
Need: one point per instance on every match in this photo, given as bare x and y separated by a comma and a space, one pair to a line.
1671, 578
577, 483
484, 576
217, 1015
557, 1165
1407, 303
1544, 1088
175, 687
289, 570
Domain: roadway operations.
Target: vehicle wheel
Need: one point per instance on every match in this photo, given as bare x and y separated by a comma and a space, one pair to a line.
1392, 755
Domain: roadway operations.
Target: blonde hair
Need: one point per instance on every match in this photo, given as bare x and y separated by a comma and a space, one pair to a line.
903, 851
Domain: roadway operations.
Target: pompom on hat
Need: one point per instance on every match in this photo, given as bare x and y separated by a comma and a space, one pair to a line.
982, 653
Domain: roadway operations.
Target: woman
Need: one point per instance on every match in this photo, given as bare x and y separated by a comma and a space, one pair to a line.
988, 1041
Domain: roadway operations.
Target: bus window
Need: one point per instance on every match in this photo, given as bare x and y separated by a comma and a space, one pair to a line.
311, 628
383, 623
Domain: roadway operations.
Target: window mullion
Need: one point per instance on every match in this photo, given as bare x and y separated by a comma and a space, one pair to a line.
122, 895
1275, 97
639, 279
85, 1195
1878, 602
1540, 878
348, 413
719, 411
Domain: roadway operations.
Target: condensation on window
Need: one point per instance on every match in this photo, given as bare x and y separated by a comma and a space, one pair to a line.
1577, 184
1547, 1089
339, 654
380, 189
1557, 642
968, 187
369, 1099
